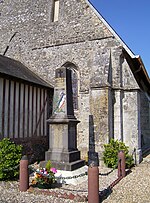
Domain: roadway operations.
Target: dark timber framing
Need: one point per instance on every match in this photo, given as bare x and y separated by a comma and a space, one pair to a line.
20, 109
24, 105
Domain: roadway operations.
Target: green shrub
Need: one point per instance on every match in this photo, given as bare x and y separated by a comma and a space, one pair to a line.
110, 155
10, 155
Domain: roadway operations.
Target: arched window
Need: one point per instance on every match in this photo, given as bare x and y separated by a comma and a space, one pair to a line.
74, 75
75, 89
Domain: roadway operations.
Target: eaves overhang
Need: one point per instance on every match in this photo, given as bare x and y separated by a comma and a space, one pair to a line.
139, 71
15, 69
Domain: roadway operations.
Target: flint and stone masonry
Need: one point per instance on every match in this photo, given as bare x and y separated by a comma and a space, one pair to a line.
113, 84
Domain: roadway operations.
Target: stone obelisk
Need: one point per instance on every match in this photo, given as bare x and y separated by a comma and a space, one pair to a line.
63, 152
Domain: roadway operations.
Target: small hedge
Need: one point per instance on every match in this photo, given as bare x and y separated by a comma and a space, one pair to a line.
110, 155
10, 155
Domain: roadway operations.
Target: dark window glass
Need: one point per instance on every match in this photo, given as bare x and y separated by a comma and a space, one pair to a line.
75, 89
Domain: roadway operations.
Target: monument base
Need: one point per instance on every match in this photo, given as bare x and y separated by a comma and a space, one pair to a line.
67, 161
65, 166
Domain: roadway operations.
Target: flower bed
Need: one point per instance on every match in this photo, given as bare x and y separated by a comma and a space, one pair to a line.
44, 177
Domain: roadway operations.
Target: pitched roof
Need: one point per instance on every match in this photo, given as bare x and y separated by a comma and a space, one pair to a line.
16, 69
139, 72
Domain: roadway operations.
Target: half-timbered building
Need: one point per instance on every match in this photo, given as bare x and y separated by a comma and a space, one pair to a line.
25, 105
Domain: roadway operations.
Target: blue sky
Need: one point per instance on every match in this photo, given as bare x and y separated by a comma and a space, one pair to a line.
131, 20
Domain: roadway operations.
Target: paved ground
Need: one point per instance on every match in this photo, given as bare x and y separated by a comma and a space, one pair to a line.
134, 188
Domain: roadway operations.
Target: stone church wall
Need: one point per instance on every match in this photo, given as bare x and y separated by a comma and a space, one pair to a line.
145, 120
106, 84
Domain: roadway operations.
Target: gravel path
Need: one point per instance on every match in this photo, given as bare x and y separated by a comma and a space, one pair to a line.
134, 188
